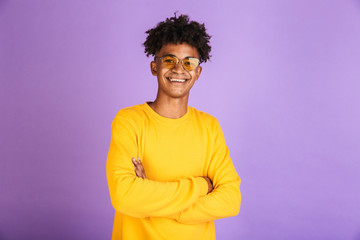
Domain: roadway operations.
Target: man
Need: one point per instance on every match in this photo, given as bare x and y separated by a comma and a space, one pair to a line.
168, 168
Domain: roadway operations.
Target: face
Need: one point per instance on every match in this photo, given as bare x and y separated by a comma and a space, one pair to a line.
175, 82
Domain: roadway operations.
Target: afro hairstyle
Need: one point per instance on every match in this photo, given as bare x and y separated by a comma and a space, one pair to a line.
178, 30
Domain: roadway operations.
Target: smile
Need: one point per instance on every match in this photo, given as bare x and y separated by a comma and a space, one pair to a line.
177, 80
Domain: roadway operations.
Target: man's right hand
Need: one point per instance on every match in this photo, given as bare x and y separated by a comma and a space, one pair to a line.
210, 186
139, 169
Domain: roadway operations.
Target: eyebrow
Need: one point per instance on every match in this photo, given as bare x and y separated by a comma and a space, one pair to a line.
172, 55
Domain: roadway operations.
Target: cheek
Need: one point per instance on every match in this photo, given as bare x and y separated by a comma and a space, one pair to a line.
195, 76
164, 71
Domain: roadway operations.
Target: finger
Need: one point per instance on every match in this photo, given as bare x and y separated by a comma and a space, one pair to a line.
136, 168
141, 167
133, 161
139, 174
136, 163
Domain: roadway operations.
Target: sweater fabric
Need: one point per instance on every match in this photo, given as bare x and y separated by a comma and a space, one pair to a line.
172, 202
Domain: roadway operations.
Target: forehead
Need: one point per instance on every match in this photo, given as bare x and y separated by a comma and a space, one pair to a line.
182, 50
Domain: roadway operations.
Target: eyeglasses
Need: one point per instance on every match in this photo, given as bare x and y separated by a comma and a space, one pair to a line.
170, 61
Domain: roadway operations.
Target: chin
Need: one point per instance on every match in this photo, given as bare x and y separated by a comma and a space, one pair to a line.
179, 95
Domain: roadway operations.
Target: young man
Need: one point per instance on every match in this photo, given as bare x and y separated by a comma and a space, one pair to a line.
168, 168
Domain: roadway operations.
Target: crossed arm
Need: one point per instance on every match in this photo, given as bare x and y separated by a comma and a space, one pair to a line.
140, 172
222, 201
188, 200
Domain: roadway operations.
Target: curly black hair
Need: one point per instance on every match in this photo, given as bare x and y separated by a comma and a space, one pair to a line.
178, 30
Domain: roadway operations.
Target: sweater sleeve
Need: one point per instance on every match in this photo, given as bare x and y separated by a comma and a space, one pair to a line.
139, 197
224, 200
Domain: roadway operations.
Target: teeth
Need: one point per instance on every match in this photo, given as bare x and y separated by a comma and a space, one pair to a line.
177, 80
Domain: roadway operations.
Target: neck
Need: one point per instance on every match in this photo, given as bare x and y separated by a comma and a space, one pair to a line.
170, 108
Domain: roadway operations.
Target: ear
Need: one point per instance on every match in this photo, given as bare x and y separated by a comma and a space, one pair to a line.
198, 72
153, 68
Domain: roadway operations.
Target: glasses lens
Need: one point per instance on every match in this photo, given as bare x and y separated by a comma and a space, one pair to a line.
190, 63
169, 61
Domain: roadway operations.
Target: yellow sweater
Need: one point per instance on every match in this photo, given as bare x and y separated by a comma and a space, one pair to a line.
172, 202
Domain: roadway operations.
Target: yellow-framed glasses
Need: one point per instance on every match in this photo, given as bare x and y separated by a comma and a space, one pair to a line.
170, 61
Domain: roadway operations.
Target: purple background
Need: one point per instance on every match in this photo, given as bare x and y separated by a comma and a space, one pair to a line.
284, 82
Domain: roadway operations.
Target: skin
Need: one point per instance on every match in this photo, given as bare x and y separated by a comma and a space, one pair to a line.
172, 97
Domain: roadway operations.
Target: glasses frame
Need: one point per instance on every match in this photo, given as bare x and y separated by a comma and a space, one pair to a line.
178, 60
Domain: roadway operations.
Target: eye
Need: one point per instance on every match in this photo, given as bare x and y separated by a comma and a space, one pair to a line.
191, 62
169, 60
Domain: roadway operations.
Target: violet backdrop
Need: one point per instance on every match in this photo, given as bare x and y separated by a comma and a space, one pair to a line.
284, 82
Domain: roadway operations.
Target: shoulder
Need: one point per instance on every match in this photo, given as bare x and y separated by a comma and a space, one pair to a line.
131, 112
205, 118
130, 115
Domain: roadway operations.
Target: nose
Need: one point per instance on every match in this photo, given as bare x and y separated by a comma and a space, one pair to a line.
179, 68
